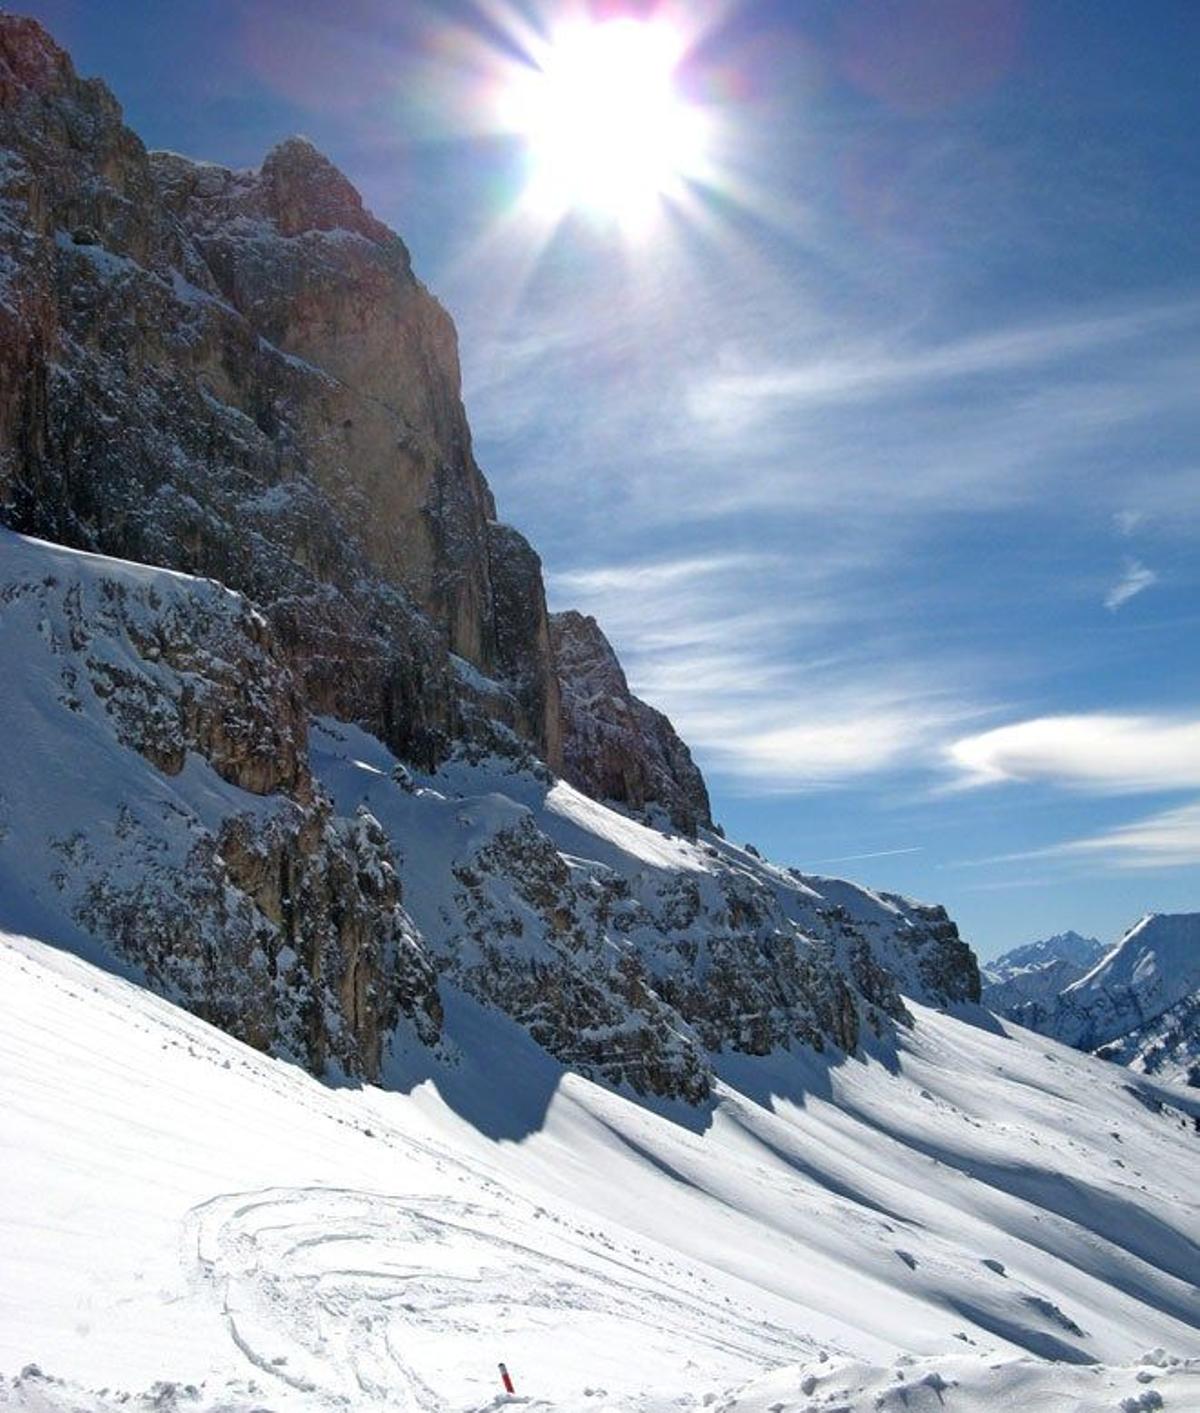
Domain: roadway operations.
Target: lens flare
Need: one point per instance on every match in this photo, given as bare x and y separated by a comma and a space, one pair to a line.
605, 127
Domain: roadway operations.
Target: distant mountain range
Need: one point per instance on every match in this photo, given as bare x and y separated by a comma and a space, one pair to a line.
1068, 946
1038, 971
1137, 1003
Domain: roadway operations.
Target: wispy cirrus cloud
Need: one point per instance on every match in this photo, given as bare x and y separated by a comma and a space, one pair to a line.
1135, 579
1167, 839
1126, 522
756, 670
875, 370
1098, 752
689, 424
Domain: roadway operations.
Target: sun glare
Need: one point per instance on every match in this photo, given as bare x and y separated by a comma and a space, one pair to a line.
606, 128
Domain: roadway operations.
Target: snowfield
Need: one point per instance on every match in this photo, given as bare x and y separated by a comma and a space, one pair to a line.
186, 1223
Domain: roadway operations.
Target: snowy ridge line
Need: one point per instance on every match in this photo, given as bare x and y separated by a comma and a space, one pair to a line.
213, 802
1137, 1004
28, 555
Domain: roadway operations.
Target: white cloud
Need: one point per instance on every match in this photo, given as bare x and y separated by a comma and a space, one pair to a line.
814, 740
1170, 839
1127, 521
1131, 583
871, 372
660, 574
751, 657
1114, 754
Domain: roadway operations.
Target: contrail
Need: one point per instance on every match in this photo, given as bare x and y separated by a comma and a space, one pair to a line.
879, 854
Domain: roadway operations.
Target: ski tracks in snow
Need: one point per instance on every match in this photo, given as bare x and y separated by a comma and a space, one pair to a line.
365, 1299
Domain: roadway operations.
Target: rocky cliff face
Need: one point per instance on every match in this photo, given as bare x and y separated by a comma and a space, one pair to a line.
236, 375
616, 747
636, 955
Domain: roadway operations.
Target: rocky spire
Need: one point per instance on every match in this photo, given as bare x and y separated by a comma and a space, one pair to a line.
615, 746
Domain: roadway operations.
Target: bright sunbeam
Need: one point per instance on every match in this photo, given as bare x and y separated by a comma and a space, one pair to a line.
606, 128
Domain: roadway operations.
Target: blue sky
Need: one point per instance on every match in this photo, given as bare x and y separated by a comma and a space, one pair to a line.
878, 458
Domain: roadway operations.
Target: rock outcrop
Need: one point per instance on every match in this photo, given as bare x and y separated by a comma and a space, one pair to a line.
155, 792
238, 375
615, 746
635, 955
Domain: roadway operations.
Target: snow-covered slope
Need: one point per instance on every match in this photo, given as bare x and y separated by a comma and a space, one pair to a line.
157, 809
936, 1218
159, 804
1038, 971
633, 953
1137, 1004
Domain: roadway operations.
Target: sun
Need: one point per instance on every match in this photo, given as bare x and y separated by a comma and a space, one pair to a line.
605, 126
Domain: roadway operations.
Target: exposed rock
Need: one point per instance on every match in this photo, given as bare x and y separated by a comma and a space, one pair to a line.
947, 966
634, 955
615, 747
531, 939
155, 740
237, 374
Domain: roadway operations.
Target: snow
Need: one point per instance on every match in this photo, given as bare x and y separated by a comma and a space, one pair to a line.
1158, 958
1083, 952
471, 676
107, 264
187, 293
612, 837
76, 805
25, 556
1140, 1004
960, 1382
176, 1209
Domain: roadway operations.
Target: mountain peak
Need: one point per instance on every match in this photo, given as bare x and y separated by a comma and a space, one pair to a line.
1138, 1004
1070, 946
306, 192
616, 746
29, 57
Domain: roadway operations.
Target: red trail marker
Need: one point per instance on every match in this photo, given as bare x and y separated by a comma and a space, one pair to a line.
508, 1383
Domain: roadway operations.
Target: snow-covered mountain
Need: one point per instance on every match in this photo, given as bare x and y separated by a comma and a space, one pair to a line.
1140, 1005
1067, 946
303, 897
237, 375
1137, 1003
966, 1218
300, 782
1037, 971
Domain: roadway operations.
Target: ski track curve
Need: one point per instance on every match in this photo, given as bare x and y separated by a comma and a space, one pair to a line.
363, 1299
